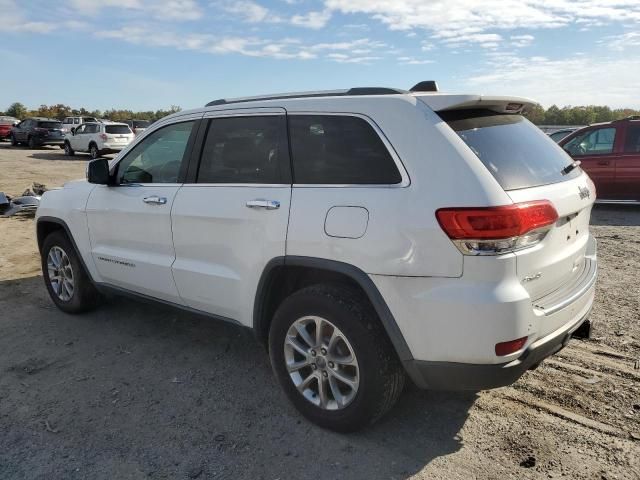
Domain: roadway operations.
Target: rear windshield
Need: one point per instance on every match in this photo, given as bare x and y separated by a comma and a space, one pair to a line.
50, 124
117, 129
516, 152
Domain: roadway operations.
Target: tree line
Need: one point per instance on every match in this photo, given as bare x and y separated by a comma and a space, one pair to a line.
60, 111
554, 115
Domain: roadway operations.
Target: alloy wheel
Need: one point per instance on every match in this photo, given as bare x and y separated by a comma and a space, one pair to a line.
321, 363
60, 273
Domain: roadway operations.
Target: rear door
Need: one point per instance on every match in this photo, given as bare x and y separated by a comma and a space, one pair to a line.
130, 222
597, 150
231, 218
628, 164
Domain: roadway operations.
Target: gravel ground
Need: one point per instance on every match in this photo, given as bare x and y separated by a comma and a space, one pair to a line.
141, 391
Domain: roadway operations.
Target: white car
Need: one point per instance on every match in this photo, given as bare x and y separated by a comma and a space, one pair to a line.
74, 122
364, 235
98, 139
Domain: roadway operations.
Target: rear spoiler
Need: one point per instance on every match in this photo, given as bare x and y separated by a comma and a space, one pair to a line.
499, 104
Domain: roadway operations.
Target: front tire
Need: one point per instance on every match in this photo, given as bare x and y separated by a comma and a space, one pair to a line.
68, 151
68, 284
94, 152
333, 359
31, 143
14, 142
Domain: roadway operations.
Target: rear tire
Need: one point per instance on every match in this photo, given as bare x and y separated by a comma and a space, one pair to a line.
68, 284
68, 151
374, 380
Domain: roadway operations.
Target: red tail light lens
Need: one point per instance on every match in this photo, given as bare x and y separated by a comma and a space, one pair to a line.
493, 230
506, 348
103, 136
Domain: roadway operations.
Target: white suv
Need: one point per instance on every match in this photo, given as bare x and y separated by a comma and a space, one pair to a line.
98, 138
73, 122
364, 235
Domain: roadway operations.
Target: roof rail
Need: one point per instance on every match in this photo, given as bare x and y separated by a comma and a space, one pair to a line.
325, 93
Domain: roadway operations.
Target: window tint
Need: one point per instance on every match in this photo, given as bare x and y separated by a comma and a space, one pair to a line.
245, 150
334, 149
117, 129
632, 143
80, 130
76, 121
90, 128
516, 152
593, 142
49, 124
68, 121
158, 158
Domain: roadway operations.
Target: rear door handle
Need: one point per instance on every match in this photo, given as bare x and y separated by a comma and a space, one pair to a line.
155, 200
261, 203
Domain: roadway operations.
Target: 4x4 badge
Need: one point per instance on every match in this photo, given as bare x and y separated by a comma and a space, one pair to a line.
584, 192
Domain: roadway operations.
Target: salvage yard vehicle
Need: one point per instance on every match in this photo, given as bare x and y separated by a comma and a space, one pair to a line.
610, 153
98, 139
138, 126
6, 123
74, 122
365, 235
36, 132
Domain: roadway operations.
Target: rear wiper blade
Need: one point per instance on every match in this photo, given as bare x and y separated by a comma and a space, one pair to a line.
570, 167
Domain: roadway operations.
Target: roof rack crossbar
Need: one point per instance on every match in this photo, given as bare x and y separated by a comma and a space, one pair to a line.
328, 93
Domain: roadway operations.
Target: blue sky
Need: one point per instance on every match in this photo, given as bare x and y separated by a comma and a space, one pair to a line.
145, 54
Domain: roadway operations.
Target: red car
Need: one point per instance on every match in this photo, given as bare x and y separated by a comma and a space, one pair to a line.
5, 126
610, 153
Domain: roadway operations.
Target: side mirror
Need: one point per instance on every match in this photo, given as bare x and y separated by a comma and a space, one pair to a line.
98, 171
15, 124
73, 131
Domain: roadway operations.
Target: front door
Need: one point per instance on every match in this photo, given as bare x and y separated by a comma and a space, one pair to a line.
231, 219
595, 150
130, 222
77, 140
628, 164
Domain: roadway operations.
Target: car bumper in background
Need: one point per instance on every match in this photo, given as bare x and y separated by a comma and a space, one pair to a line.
49, 141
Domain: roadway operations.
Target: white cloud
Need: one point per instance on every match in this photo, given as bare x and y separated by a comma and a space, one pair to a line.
344, 58
456, 18
315, 20
12, 20
521, 40
169, 10
413, 61
250, 11
629, 40
573, 81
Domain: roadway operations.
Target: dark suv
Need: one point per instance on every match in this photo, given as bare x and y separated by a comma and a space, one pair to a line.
36, 132
610, 154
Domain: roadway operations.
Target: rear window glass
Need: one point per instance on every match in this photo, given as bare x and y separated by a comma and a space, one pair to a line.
141, 124
516, 152
117, 129
336, 149
50, 124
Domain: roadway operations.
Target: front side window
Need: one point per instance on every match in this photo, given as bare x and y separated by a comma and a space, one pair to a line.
80, 130
342, 150
594, 142
632, 142
158, 158
245, 150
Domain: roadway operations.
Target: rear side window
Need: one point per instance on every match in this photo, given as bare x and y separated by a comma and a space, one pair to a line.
517, 153
336, 149
245, 150
594, 142
632, 142
117, 129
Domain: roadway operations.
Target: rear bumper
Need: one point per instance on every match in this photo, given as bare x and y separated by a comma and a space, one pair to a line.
113, 147
49, 141
466, 376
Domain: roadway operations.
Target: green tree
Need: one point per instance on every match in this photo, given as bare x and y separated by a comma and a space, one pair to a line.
17, 110
536, 114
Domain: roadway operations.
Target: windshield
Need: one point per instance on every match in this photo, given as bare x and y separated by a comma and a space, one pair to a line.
50, 125
117, 129
89, 120
516, 152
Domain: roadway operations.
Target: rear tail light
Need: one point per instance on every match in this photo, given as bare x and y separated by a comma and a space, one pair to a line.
103, 136
497, 230
507, 348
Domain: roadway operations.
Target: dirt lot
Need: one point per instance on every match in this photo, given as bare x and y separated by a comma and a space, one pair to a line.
139, 391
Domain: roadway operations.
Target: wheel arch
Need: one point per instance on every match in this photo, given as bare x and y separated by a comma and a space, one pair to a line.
284, 275
47, 225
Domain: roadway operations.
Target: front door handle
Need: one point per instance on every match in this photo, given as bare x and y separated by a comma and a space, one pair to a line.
261, 203
604, 162
155, 200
